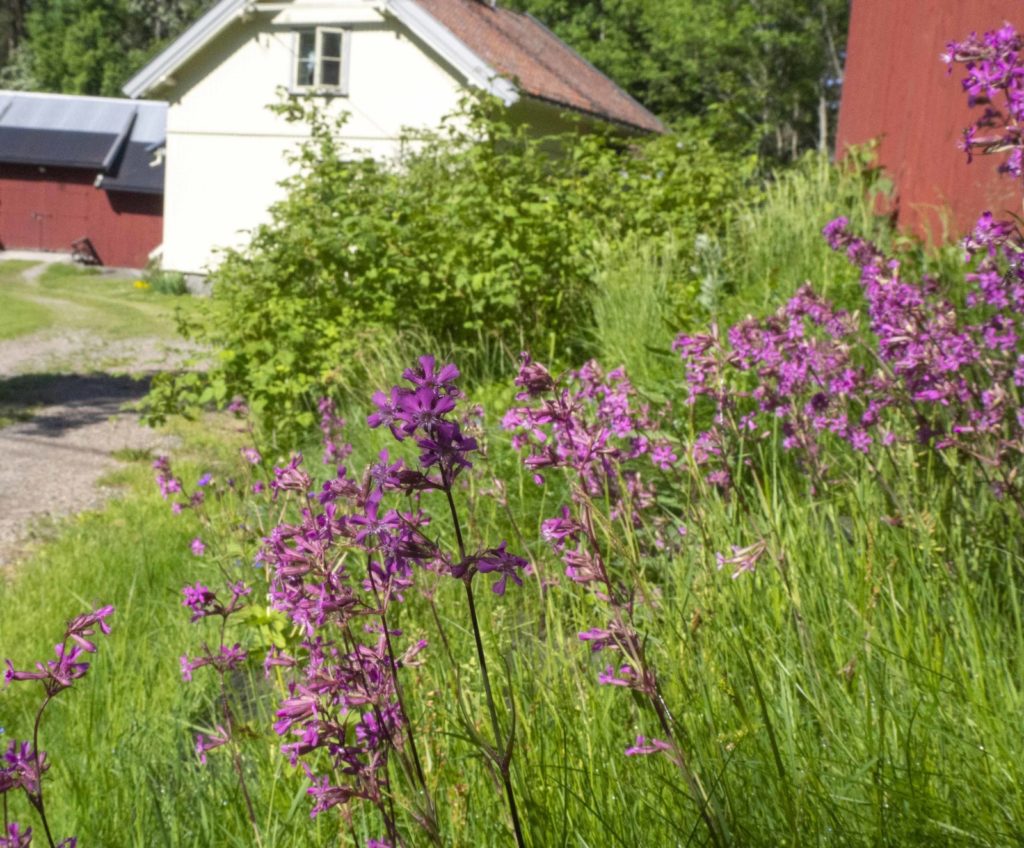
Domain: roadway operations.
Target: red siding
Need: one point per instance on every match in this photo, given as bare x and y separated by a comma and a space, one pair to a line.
897, 90
48, 209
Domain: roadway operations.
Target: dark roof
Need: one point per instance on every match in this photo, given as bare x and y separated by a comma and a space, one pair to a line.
138, 170
520, 47
116, 138
32, 146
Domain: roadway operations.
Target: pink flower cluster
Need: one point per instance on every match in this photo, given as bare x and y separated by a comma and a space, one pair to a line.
994, 80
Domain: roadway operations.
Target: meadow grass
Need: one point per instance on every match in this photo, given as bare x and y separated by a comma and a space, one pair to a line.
861, 688
774, 244
647, 292
857, 689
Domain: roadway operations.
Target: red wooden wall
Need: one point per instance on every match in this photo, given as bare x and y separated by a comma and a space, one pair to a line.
48, 209
897, 89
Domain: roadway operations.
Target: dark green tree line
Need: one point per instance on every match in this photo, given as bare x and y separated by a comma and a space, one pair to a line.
86, 46
765, 74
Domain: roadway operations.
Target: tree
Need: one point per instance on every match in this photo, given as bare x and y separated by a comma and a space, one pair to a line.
12, 28
764, 73
91, 46
79, 46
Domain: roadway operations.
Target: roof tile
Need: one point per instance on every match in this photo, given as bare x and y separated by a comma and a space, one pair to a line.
520, 47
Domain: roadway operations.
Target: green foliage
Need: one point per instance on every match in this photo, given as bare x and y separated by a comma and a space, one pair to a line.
774, 244
479, 231
766, 75
86, 46
166, 282
80, 46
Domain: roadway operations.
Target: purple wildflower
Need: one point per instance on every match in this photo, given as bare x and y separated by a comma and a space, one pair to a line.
15, 837
218, 738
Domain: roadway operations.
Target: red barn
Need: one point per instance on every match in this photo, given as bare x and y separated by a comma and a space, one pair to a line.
897, 90
82, 171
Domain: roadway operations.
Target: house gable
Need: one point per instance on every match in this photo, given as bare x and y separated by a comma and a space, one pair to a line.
504, 53
161, 72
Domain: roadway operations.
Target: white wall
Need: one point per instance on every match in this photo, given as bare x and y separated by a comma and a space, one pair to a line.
226, 150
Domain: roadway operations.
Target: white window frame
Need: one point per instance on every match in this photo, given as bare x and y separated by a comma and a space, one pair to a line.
318, 87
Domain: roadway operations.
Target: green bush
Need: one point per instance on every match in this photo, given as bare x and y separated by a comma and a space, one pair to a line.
480, 230
167, 282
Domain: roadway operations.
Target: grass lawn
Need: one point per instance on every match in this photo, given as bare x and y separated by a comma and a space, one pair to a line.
78, 298
20, 315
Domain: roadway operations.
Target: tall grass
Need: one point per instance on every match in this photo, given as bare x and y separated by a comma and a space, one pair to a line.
636, 304
862, 687
646, 292
858, 689
774, 244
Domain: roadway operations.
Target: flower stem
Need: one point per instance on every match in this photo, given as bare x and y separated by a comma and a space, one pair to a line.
505, 761
37, 799
431, 808
236, 755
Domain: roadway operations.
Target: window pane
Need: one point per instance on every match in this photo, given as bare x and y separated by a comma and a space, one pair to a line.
330, 46
330, 72
306, 66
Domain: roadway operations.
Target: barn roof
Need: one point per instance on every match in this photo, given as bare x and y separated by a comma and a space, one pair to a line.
505, 53
116, 138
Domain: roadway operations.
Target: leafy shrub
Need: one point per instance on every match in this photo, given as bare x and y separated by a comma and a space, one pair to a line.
480, 229
167, 282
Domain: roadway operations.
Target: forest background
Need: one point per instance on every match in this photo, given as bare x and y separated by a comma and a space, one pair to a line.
764, 75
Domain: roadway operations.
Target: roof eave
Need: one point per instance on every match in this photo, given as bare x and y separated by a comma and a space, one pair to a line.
660, 128
452, 49
128, 188
184, 47
46, 162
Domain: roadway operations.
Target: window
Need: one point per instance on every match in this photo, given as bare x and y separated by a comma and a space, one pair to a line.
321, 60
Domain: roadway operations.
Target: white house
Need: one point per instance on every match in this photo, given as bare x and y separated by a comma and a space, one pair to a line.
389, 63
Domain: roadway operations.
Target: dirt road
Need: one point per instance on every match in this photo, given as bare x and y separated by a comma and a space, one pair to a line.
66, 391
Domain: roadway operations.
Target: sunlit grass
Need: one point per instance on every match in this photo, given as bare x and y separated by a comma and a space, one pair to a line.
76, 298
857, 689
19, 316
862, 687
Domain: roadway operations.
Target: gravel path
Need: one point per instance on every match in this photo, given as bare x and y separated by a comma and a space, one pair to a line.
72, 387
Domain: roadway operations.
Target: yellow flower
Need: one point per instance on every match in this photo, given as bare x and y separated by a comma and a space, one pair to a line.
141, 284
